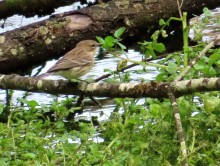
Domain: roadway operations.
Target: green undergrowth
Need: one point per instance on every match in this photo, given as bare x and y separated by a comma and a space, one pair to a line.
138, 132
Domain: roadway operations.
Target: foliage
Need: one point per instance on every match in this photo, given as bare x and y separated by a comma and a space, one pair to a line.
138, 131
111, 41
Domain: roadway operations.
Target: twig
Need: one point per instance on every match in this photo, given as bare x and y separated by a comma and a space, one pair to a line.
95, 101
187, 69
179, 126
127, 67
179, 8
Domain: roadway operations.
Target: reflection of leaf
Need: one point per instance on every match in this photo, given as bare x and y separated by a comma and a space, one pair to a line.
119, 32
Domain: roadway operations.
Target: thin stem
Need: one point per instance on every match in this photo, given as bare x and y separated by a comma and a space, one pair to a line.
185, 39
143, 63
179, 9
169, 20
203, 52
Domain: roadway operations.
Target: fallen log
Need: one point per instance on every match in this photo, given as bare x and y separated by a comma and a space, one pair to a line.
38, 42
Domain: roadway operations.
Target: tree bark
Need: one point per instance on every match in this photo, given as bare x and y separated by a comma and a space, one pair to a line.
41, 41
132, 90
29, 8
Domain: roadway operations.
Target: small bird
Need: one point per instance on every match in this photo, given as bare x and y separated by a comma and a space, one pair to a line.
76, 62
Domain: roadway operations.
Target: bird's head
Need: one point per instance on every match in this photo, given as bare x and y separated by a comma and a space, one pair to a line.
88, 45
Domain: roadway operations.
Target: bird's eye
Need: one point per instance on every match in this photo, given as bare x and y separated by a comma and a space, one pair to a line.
93, 45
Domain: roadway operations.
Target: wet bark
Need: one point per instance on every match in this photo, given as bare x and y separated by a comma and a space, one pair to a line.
35, 43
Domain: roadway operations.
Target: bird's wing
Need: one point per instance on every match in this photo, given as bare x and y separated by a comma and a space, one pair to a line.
70, 61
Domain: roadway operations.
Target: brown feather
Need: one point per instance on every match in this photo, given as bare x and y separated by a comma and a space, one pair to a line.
76, 62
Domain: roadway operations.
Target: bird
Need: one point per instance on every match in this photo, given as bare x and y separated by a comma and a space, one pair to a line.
75, 63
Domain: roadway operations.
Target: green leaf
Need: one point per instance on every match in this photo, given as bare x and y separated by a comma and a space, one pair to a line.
108, 70
164, 33
213, 58
123, 47
161, 22
211, 103
159, 47
100, 40
161, 77
199, 65
109, 41
29, 155
185, 107
119, 32
1, 107
155, 35
172, 67
32, 103
207, 12
121, 64
150, 52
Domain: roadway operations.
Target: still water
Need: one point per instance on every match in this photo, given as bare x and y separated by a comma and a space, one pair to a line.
107, 62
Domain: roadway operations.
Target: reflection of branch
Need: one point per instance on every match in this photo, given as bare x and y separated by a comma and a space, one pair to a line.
133, 90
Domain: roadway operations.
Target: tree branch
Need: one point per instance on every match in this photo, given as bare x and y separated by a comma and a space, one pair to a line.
179, 126
132, 90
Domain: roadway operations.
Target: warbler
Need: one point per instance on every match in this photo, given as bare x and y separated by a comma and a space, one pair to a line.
76, 62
